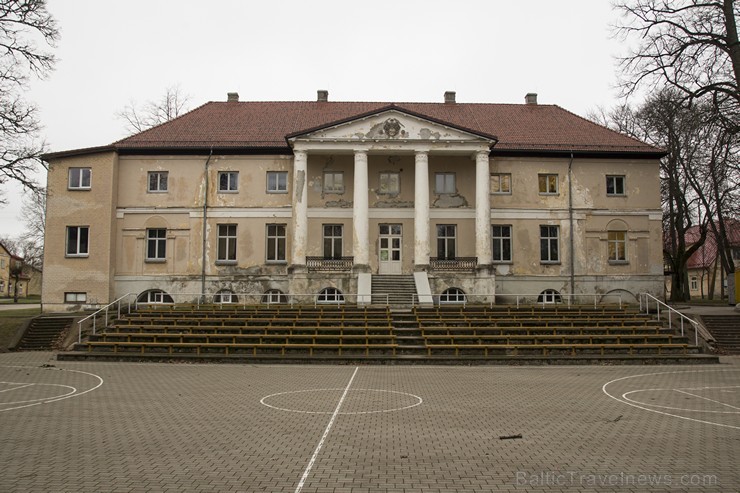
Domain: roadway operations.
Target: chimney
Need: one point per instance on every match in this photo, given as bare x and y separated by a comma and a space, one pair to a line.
450, 97
322, 95
232, 97
530, 98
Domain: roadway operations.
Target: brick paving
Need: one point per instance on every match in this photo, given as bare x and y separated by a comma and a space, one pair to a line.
155, 427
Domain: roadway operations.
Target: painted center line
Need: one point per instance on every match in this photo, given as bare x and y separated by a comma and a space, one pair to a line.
299, 488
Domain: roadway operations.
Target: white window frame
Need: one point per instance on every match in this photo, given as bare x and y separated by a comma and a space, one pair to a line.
232, 181
77, 252
615, 179
501, 240
330, 182
613, 247
544, 183
445, 240
75, 297
274, 179
497, 183
158, 238
445, 183
162, 181
546, 238
694, 283
334, 235
77, 178
385, 179
275, 237
330, 295
226, 236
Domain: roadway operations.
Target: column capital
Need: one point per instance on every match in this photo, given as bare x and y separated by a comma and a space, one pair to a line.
481, 154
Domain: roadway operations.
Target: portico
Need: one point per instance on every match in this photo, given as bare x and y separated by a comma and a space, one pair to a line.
392, 136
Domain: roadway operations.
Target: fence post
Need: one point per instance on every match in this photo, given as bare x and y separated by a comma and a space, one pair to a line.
79, 331
682, 327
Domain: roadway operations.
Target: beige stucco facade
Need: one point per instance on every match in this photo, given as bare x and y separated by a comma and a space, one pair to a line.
120, 209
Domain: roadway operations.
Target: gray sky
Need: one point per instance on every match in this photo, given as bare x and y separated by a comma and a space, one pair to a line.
488, 51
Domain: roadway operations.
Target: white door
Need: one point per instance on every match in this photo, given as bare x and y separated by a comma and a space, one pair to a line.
389, 261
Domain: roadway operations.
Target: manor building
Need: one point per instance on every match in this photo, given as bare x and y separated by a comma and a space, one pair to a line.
272, 200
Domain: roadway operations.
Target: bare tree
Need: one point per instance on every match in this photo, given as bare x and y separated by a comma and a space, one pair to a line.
22, 22
688, 45
152, 113
34, 219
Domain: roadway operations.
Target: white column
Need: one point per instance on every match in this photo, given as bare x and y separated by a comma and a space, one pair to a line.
300, 208
421, 210
360, 213
482, 208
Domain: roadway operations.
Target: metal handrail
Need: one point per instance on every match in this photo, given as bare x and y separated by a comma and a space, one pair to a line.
104, 309
671, 310
520, 298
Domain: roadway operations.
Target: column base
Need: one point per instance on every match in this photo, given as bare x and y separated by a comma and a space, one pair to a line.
485, 269
421, 268
361, 269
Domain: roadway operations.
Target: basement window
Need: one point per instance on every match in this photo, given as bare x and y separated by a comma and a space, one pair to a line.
73, 297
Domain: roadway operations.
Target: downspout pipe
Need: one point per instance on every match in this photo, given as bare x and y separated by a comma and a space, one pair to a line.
572, 226
205, 217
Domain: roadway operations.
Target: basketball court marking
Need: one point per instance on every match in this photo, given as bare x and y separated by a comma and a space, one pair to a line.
21, 404
264, 401
624, 399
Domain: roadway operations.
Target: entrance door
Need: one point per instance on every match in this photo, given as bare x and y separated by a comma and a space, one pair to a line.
389, 261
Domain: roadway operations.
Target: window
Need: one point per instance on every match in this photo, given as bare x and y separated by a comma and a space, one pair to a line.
390, 183
156, 245
226, 243
154, 296
501, 183
549, 296
501, 243
79, 178
274, 296
75, 297
225, 296
548, 184
736, 253
549, 244
158, 181
77, 241
617, 246
330, 295
332, 241
276, 242
228, 181
694, 283
444, 183
453, 295
277, 182
2, 263
615, 185
334, 181
446, 241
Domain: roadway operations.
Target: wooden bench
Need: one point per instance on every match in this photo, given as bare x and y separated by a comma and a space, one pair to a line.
227, 349
514, 349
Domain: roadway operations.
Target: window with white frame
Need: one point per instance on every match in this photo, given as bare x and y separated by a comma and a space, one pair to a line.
389, 183
333, 241
154, 296
615, 185
453, 295
78, 238
548, 184
330, 295
444, 183
75, 297
446, 241
501, 183
79, 178
333, 181
276, 240
549, 296
156, 245
617, 246
228, 181
501, 248
274, 296
226, 243
694, 283
277, 182
225, 296
549, 244
157, 181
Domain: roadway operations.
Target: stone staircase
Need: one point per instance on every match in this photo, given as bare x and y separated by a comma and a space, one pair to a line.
399, 288
409, 337
726, 331
43, 333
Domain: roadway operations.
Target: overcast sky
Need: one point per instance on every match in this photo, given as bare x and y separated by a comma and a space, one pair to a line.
488, 51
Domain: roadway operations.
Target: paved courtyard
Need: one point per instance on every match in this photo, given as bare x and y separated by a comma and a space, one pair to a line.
100, 426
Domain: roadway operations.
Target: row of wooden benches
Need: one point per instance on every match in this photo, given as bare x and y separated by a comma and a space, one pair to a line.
261, 322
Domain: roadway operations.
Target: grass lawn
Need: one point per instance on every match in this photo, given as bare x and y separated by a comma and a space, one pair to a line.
10, 320
8, 300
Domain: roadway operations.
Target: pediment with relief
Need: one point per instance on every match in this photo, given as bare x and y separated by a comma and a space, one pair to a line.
392, 125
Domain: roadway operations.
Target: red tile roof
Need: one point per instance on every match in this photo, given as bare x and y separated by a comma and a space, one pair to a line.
260, 125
